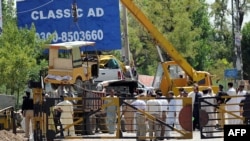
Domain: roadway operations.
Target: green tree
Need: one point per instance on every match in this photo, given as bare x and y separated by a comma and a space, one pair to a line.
181, 32
19, 50
245, 43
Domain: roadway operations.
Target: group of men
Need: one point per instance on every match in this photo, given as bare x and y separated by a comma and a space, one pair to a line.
64, 108
156, 109
154, 113
159, 115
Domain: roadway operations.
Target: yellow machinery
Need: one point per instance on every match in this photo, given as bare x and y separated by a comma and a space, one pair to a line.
6, 118
68, 67
167, 82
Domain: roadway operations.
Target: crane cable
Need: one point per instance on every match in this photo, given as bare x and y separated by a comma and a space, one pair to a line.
74, 11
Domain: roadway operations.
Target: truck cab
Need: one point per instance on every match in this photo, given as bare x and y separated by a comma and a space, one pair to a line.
66, 66
111, 68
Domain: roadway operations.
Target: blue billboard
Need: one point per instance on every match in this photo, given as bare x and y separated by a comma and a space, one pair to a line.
67, 20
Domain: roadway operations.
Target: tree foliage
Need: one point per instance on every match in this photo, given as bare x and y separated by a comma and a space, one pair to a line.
201, 33
191, 34
245, 43
19, 50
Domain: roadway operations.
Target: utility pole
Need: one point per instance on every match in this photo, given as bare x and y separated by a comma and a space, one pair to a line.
126, 49
236, 31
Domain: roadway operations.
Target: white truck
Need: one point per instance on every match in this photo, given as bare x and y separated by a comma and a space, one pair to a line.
110, 68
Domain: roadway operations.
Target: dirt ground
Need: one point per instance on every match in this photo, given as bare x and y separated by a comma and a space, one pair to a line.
10, 136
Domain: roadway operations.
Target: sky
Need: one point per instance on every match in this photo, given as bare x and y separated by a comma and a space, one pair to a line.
246, 16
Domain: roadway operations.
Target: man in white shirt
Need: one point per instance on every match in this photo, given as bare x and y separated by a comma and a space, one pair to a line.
140, 118
154, 109
164, 109
231, 104
66, 109
111, 112
171, 113
208, 128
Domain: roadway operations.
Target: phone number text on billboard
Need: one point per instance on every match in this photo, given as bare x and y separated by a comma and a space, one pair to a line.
93, 35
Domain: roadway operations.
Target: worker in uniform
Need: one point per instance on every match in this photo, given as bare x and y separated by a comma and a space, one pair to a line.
28, 113
140, 118
111, 112
154, 109
65, 108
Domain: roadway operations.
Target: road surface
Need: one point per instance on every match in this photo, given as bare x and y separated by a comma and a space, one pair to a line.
196, 137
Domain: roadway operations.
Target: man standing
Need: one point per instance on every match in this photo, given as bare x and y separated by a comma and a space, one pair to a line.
195, 95
179, 105
28, 113
245, 108
154, 109
164, 109
111, 112
140, 118
221, 104
66, 118
241, 93
209, 110
171, 113
128, 113
232, 105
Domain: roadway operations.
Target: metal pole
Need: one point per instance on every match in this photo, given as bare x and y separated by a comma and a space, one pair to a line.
233, 36
125, 39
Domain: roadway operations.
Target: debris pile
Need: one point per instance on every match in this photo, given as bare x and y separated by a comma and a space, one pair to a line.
10, 136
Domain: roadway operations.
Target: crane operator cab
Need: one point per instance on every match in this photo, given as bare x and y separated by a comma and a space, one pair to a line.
68, 66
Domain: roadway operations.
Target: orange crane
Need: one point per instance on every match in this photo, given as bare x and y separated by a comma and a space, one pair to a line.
178, 72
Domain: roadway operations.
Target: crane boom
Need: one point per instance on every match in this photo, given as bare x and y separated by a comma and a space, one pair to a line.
161, 40
168, 80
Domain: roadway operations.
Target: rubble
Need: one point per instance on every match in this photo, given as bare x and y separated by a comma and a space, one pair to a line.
10, 136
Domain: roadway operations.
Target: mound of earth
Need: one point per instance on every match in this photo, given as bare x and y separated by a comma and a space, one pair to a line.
10, 136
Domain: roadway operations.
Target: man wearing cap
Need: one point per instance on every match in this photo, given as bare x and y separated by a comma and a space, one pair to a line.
171, 113
140, 119
154, 109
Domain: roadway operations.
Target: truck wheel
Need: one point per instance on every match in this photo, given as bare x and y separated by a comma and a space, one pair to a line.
78, 85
